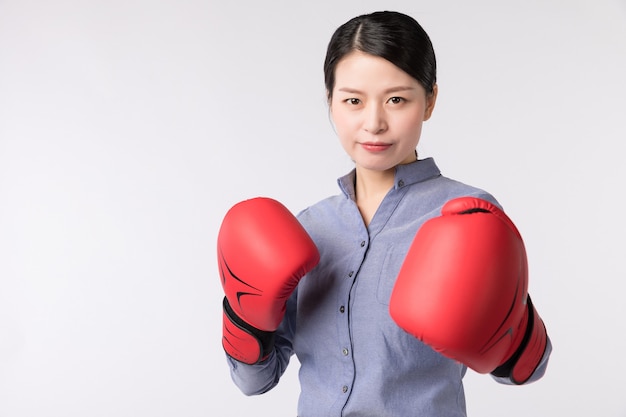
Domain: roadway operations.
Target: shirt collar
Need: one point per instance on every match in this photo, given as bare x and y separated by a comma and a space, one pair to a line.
406, 174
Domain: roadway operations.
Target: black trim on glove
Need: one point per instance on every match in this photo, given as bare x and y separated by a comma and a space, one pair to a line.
265, 338
504, 370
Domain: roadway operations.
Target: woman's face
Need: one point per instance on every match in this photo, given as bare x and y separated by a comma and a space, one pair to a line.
378, 111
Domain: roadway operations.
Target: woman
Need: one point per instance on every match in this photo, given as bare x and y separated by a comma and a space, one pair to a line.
380, 77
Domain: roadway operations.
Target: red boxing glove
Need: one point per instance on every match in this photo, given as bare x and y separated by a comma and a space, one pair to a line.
462, 289
263, 252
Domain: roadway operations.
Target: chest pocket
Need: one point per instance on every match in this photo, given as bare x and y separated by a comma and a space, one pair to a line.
390, 267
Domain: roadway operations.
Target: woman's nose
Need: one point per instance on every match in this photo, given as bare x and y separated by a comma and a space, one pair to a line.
375, 121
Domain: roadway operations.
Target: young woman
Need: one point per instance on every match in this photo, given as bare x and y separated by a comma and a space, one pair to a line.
331, 307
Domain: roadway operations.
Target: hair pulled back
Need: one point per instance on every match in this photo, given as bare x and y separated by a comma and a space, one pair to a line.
394, 36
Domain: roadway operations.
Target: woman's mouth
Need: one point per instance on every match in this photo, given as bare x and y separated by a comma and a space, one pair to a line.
375, 146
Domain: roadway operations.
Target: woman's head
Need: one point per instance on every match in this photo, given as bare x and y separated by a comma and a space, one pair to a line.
381, 86
394, 36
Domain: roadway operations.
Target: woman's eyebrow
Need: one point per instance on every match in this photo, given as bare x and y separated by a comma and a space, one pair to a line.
387, 91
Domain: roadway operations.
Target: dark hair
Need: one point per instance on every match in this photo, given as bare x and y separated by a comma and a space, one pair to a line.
394, 36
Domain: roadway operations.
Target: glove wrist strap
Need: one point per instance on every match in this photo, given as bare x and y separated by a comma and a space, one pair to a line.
242, 341
523, 363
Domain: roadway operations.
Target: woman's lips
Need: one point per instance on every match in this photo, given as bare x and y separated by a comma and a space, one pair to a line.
375, 146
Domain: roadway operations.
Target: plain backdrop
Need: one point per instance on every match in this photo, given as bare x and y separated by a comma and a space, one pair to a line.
128, 128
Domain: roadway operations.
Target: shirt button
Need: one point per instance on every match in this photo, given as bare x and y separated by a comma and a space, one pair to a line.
344, 389
362, 243
401, 183
344, 351
350, 274
342, 309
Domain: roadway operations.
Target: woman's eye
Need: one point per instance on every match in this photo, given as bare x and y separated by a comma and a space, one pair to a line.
396, 100
353, 101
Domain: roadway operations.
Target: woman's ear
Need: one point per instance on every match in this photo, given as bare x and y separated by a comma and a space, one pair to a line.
431, 99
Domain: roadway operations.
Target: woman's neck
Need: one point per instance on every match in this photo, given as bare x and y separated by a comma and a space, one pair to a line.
373, 183
371, 188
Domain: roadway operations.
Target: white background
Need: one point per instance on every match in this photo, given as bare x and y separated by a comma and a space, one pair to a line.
128, 128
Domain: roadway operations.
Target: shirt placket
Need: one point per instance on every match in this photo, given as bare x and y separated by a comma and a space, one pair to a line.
361, 244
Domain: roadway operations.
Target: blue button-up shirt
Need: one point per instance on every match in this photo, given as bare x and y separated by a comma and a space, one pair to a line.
355, 361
